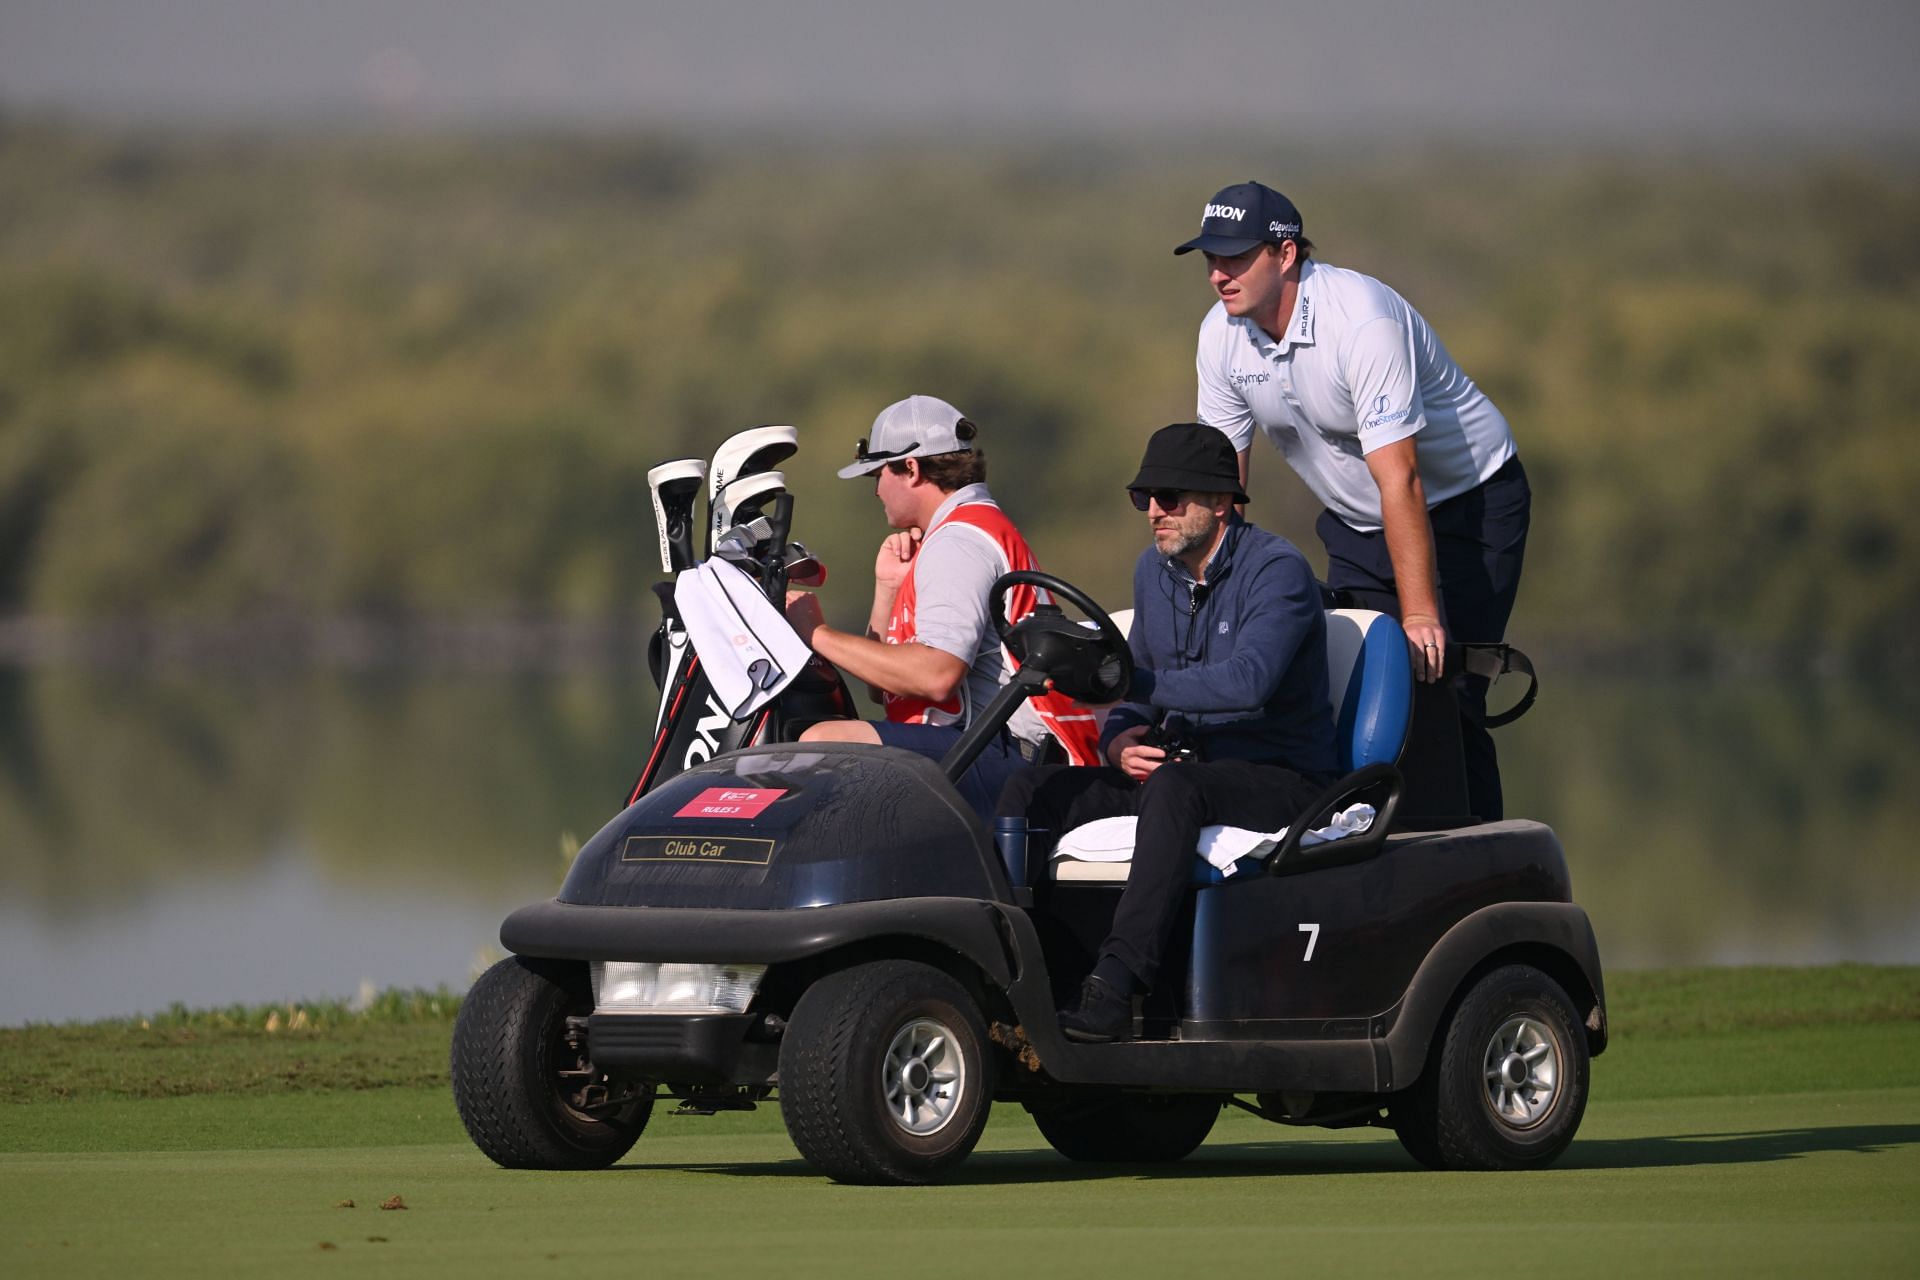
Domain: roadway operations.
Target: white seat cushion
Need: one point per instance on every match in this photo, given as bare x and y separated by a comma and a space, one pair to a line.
1101, 851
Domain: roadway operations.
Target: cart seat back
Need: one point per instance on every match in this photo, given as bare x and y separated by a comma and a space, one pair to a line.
1370, 679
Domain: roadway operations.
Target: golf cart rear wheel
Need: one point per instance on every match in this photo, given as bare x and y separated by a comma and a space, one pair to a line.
1150, 1128
1506, 1085
529, 1099
884, 1073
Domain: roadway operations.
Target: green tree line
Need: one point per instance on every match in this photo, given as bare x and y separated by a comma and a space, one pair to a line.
313, 375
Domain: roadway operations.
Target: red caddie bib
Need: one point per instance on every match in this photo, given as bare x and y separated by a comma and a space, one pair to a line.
1069, 722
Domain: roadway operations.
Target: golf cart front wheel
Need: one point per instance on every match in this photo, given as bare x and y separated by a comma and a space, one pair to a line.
884, 1073
1148, 1128
1506, 1084
527, 1094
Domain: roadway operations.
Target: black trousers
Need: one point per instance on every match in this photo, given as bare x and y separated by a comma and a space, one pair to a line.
1479, 541
1173, 804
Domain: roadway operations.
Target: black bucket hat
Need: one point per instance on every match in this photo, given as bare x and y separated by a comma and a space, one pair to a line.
1191, 456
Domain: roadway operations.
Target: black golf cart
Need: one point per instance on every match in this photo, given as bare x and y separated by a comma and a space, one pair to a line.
835, 926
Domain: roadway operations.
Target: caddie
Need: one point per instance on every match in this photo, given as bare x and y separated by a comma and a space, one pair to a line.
1426, 503
931, 652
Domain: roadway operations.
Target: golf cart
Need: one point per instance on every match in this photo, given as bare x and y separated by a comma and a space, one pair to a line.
833, 924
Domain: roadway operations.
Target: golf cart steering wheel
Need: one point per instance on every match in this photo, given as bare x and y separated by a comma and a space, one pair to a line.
1092, 666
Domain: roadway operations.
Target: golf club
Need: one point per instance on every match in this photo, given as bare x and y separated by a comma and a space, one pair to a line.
749, 501
676, 487
744, 454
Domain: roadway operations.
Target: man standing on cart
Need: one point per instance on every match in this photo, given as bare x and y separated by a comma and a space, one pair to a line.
1415, 465
931, 652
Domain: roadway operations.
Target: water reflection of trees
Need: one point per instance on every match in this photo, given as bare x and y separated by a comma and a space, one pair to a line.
1706, 822
112, 785
1724, 821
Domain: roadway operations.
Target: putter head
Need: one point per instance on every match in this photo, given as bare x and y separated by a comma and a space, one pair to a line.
676, 489
741, 456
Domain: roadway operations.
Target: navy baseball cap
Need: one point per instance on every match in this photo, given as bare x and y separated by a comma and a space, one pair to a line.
1243, 216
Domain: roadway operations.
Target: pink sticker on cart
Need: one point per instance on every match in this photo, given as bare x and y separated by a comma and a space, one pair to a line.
729, 802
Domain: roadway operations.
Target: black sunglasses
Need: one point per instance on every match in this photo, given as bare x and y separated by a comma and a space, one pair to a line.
1170, 500
860, 453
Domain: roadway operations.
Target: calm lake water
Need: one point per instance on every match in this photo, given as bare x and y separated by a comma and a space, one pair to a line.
211, 839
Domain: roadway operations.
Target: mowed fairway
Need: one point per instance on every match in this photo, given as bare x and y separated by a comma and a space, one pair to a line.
1779, 1150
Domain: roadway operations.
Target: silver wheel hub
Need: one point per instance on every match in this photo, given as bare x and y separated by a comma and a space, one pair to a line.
923, 1076
1522, 1072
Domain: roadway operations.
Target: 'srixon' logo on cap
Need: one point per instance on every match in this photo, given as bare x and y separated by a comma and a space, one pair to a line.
1224, 211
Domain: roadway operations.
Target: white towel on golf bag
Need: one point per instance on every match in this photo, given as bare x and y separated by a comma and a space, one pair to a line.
750, 652
1111, 839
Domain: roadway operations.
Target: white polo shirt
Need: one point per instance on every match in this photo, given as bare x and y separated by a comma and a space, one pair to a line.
1357, 368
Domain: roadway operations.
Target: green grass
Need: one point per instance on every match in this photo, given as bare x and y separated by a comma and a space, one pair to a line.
400, 1038
1721, 1000
1743, 1122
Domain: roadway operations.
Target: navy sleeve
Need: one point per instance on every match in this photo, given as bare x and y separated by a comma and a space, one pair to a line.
1278, 604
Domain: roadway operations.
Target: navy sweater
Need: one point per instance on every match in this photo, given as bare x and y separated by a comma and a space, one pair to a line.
1243, 655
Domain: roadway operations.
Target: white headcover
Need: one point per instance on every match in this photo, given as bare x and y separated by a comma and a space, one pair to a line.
739, 495
683, 479
742, 454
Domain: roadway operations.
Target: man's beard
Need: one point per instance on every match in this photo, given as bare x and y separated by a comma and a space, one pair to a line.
1185, 541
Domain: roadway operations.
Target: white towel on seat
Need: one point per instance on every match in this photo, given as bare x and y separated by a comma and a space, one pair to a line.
750, 652
1111, 839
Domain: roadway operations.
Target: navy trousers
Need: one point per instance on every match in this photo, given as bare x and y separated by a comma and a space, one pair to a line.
1174, 803
1479, 540
980, 785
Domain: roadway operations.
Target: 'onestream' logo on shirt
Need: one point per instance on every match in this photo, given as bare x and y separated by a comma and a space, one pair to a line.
1224, 211
1382, 416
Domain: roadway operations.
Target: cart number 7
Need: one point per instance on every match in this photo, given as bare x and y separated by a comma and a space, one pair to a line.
1313, 937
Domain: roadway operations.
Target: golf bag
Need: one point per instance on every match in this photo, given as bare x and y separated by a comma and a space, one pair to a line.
750, 515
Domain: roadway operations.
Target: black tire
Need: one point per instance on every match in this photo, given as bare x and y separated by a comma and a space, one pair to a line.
867, 1040
1505, 1086
509, 1050
1139, 1128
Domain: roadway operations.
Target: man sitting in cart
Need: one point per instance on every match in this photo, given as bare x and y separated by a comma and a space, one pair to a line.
1229, 634
931, 654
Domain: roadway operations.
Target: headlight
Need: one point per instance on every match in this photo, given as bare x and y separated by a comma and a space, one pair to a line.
621, 986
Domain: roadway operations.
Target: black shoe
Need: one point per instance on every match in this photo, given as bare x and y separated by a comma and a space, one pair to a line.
1102, 1014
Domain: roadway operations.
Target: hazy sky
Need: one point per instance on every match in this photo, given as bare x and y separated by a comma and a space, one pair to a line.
1683, 67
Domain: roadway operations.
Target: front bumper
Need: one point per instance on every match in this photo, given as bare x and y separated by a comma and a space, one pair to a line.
973, 927
683, 1048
